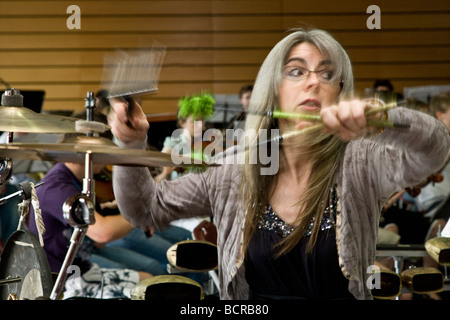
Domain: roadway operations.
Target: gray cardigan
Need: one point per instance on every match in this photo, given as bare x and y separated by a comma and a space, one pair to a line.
371, 171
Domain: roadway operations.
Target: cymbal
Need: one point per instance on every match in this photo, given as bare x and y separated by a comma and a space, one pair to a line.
21, 119
103, 151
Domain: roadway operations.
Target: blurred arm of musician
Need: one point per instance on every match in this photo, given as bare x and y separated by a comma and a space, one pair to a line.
166, 171
435, 188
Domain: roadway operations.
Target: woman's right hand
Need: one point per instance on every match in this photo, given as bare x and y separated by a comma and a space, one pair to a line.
346, 119
128, 123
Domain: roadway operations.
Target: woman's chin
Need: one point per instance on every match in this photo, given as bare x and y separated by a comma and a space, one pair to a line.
302, 125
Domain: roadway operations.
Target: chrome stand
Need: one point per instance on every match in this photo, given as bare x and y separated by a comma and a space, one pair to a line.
79, 212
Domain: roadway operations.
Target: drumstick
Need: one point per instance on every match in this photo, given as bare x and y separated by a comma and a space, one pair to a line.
277, 139
294, 133
317, 118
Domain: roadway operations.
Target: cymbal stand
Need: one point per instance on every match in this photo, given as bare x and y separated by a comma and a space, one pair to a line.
79, 211
10, 97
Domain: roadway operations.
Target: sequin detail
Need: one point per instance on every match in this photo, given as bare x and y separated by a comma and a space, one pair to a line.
272, 222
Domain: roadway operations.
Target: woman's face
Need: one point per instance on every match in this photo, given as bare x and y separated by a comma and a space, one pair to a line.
300, 91
245, 99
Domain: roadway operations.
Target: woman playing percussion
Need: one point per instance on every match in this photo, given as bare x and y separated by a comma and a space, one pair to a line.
308, 230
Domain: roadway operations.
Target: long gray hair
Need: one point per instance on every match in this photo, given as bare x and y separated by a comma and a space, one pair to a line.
325, 149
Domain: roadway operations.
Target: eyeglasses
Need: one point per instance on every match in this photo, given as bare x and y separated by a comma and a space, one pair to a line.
297, 73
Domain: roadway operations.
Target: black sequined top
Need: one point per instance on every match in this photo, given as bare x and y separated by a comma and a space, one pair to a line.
295, 275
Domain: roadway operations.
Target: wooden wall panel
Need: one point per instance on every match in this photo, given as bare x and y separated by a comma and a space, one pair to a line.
214, 45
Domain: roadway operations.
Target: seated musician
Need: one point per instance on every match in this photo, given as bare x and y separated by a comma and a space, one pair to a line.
192, 113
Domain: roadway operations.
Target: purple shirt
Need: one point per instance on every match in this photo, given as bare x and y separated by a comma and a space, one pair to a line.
59, 185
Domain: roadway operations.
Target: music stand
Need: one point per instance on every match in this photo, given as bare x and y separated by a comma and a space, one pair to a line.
33, 99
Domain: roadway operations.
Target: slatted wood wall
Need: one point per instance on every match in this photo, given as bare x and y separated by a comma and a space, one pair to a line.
214, 45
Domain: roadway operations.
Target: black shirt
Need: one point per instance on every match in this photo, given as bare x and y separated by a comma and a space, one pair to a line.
295, 275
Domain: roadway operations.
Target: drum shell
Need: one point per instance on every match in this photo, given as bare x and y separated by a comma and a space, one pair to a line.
193, 256
439, 249
167, 287
390, 285
423, 280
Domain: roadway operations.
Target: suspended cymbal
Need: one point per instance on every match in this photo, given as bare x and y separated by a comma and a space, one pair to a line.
103, 151
21, 119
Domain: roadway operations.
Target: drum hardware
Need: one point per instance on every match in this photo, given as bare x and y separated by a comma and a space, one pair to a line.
9, 280
24, 269
423, 280
103, 151
192, 256
6, 165
24, 192
14, 117
439, 249
167, 287
390, 285
419, 280
195, 256
78, 211
398, 252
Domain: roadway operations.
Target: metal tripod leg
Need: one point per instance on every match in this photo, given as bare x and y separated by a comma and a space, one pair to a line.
78, 210
75, 242
398, 266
